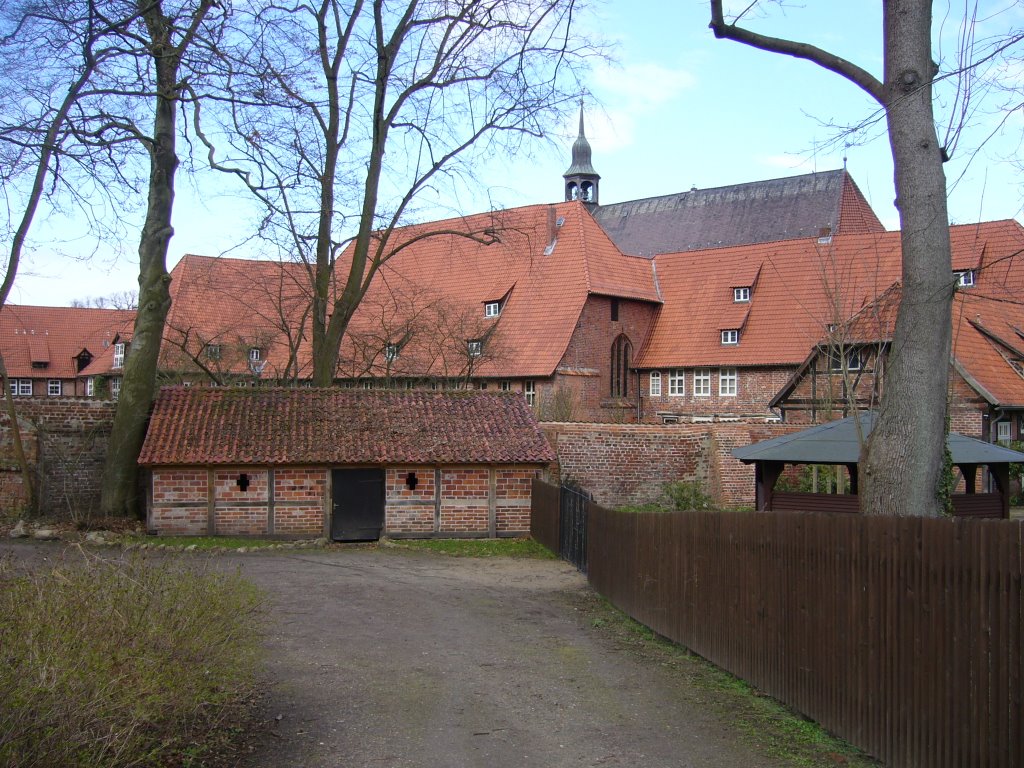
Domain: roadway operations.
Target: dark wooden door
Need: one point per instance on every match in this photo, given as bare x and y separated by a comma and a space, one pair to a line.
358, 504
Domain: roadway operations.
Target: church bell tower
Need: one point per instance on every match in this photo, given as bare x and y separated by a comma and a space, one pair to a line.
581, 179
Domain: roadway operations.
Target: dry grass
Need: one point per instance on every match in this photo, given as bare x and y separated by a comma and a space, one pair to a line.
126, 663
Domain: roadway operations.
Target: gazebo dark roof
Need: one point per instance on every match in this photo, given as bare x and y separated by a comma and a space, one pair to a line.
836, 443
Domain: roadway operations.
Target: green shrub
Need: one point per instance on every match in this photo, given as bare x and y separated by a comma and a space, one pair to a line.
121, 663
685, 494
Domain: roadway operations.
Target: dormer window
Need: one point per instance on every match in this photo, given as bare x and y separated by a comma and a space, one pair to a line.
731, 336
475, 347
741, 294
492, 309
964, 278
212, 351
391, 352
255, 354
118, 355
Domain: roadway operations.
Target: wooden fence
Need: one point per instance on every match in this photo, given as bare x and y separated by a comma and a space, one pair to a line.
901, 635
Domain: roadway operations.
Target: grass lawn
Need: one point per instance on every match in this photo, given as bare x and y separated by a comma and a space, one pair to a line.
524, 548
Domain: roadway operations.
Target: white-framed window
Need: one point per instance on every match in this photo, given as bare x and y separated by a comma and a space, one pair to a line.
851, 356
655, 384
530, 392
1003, 431
964, 278
676, 382
21, 387
255, 354
481, 385
492, 309
367, 383
475, 347
505, 386
53, 388
118, 356
90, 387
731, 336
727, 382
115, 387
701, 382
212, 351
741, 294
391, 352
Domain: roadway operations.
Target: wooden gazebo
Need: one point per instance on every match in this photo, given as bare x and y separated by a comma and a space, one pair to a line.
838, 443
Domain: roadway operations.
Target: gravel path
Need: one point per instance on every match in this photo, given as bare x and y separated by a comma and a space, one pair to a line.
392, 658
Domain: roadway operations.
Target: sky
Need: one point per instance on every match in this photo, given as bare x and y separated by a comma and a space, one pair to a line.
676, 109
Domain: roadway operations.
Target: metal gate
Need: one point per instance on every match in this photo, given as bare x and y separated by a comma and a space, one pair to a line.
572, 525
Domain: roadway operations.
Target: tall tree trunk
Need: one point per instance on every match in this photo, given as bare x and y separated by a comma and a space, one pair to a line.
121, 472
902, 462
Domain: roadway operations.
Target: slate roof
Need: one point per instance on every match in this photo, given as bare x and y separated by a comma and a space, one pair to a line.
54, 336
757, 212
545, 261
836, 442
200, 425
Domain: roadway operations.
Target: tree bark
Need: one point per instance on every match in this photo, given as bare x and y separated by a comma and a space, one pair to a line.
901, 464
902, 461
120, 473
27, 478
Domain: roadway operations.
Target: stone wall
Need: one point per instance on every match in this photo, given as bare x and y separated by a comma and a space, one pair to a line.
66, 439
629, 463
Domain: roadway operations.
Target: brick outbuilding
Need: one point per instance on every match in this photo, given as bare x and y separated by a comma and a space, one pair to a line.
350, 465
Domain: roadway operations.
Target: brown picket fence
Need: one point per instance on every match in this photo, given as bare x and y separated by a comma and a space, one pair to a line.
901, 635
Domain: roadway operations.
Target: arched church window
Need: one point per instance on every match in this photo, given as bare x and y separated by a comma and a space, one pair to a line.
622, 351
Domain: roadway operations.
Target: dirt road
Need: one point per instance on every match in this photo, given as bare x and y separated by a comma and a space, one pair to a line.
392, 658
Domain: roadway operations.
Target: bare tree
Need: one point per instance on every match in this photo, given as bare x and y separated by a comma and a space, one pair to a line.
395, 99
902, 463
164, 41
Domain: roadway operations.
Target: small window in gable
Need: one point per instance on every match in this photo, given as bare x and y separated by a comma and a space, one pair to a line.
741, 294
391, 352
255, 354
118, 355
731, 336
851, 357
212, 351
475, 347
964, 278
492, 309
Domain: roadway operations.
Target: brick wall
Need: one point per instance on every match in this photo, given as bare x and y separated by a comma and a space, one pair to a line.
628, 463
472, 500
66, 439
755, 387
585, 368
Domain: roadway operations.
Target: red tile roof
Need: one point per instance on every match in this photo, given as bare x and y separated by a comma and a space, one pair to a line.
55, 336
806, 285
544, 261
200, 425
987, 318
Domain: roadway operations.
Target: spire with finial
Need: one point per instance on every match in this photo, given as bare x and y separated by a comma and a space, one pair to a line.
581, 179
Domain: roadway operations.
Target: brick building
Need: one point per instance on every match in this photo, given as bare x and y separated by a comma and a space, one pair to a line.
347, 465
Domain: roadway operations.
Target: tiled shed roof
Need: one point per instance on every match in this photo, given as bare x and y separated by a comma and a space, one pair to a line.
757, 212
52, 337
199, 425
